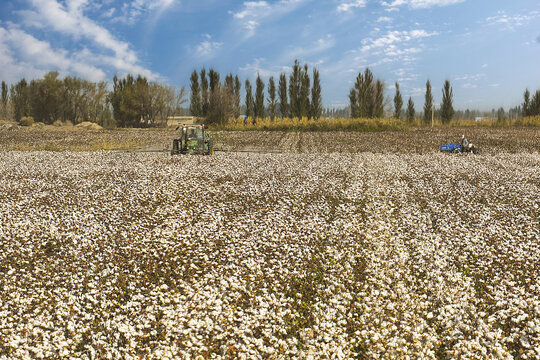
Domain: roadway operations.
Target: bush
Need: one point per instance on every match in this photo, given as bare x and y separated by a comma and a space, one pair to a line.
323, 124
26, 121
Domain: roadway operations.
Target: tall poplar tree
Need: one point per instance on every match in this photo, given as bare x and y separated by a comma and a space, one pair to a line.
367, 96
428, 104
379, 99
304, 93
398, 103
205, 95
282, 94
237, 87
250, 103
316, 97
4, 93
353, 99
195, 98
214, 80
4, 112
259, 98
410, 111
272, 102
20, 100
526, 103
447, 107
295, 84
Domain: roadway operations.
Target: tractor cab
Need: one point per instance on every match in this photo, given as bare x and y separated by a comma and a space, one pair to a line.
194, 139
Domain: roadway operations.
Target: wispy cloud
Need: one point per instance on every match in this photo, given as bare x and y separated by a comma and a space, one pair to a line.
470, 81
388, 41
69, 20
405, 74
347, 6
470, 77
420, 4
512, 22
253, 13
207, 47
132, 11
258, 67
384, 19
316, 47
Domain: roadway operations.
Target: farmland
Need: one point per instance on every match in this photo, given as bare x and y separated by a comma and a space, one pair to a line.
343, 245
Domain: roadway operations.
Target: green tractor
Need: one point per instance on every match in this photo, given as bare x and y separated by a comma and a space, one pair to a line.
194, 139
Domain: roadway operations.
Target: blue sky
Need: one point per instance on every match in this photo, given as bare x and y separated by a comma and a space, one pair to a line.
488, 49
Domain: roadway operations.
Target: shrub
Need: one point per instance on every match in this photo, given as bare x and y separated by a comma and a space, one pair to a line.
305, 124
26, 121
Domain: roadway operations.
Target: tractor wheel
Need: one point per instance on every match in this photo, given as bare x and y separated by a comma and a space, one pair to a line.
175, 148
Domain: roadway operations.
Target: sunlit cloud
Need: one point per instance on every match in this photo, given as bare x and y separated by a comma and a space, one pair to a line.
347, 6
69, 20
420, 4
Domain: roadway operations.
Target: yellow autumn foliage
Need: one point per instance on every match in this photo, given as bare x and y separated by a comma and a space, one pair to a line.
323, 124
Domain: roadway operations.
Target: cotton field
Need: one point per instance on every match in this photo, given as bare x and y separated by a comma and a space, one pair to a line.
246, 255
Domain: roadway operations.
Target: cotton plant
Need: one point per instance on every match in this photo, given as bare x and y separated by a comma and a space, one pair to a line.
246, 255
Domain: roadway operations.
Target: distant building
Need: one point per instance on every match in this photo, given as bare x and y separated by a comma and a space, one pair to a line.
173, 121
478, 118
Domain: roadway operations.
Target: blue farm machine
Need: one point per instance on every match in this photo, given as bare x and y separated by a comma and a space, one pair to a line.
458, 148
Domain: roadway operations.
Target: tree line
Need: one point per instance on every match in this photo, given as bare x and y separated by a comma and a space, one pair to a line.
217, 101
133, 102
138, 102
367, 100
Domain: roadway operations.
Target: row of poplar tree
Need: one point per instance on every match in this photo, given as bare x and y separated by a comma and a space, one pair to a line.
366, 99
217, 101
133, 102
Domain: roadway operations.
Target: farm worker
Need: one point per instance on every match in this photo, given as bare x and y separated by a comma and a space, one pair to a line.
464, 143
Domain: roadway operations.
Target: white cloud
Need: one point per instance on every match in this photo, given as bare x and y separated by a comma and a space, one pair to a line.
109, 13
347, 6
70, 20
254, 13
207, 47
388, 41
420, 4
252, 9
384, 19
512, 21
25, 56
